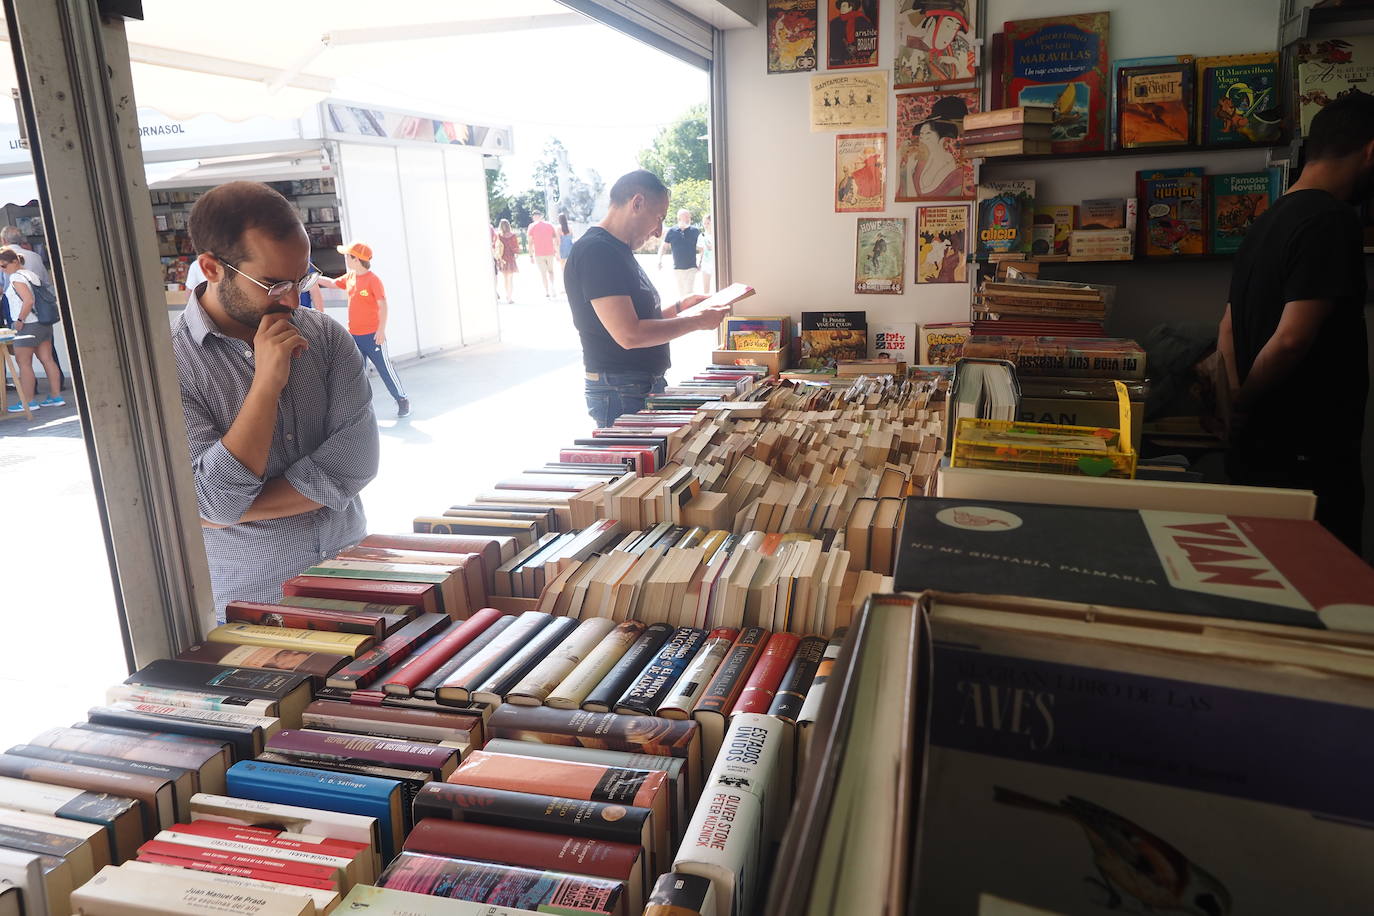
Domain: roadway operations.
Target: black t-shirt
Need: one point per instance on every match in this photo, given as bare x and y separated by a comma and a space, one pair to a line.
1306, 246
684, 243
602, 265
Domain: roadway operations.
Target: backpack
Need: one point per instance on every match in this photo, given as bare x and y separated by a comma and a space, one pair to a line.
44, 304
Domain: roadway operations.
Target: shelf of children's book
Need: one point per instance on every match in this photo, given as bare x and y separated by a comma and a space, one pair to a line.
1120, 153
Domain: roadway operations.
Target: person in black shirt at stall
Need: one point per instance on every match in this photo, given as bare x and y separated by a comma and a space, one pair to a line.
615, 307
1293, 335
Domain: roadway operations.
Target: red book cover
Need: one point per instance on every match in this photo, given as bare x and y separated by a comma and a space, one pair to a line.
642, 460
487, 548
1060, 62
423, 595
469, 570
370, 665
242, 871
263, 863
306, 618
524, 848
268, 838
763, 682
422, 666
728, 682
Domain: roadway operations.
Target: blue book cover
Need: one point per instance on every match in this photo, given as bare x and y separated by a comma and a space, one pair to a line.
656, 681
327, 790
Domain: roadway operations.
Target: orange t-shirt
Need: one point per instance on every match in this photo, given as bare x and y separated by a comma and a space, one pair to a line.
364, 292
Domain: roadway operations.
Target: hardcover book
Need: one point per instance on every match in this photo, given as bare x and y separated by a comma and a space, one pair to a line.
657, 680
895, 341
1172, 216
1240, 103
1329, 68
355, 828
330, 746
791, 694
827, 337
1102, 213
700, 670
120, 891
535, 688
1236, 201
450, 727
763, 682
425, 663
943, 342
311, 618
482, 882
291, 692
245, 634
1073, 357
583, 679
1155, 105
627, 669
459, 685
429, 687
1061, 62
318, 665
1114, 83
494, 689
681, 894
713, 709
722, 845
1006, 212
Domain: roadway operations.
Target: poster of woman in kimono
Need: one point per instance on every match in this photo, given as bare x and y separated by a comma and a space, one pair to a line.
934, 42
930, 159
860, 173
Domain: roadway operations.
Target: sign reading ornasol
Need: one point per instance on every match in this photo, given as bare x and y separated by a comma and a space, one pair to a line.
845, 100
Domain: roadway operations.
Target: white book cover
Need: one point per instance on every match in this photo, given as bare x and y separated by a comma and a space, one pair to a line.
1085, 775
356, 828
749, 760
325, 901
24, 870
117, 892
722, 846
894, 339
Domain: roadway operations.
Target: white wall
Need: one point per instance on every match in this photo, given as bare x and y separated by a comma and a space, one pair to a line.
424, 212
786, 239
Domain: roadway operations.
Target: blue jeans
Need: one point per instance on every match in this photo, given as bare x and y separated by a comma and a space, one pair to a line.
367, 346
610, 394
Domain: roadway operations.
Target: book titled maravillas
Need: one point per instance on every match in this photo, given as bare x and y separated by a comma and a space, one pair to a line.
481, 882
1281, 571
533, 849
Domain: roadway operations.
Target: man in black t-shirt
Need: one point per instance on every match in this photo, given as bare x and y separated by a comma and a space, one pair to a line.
1293, 335
615, 307
685, 241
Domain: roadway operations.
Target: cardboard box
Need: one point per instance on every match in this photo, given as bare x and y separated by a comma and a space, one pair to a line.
774, 360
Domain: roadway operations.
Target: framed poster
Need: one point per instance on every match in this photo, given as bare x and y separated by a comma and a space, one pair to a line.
934, 43
852, 29
929, 152
792, 28
860, 173
880, 256
843, 101
942, 244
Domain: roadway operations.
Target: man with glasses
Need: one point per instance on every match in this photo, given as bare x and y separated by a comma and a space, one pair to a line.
278, 408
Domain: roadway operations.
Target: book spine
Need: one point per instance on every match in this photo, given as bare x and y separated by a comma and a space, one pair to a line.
283, 868
484, 882
607, 730
427, 687
245, 634
339, 604
748, 758
271, 839
316, 664
583, 679
816, 692
536, 686
680, 894
276, 615
522, 810
787, 702
368, 666
628, 668
99, 761
495, 688
523, 848
215, 716
308, 862
763, 682
566, 779
700, 670
133, 693
345, 747
170, 674
415, 671
729, 681
460, 685
724, 837
656, 681
245, 742
226, 866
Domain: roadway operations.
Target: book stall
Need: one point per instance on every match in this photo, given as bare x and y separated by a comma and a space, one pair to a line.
864, 617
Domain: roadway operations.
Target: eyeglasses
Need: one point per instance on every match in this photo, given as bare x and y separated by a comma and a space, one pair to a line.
279, 289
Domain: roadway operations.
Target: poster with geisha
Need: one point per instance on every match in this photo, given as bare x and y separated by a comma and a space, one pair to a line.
934, 42
860, 173
792, 28
928, 149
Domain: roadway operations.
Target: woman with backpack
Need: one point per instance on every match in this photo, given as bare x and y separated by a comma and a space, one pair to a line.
34, 308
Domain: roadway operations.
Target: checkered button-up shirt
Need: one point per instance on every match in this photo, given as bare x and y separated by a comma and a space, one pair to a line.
325, 444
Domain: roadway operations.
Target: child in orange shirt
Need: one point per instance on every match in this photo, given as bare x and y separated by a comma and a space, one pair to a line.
367, 316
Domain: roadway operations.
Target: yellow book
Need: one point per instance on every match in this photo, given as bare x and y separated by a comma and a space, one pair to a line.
248, 634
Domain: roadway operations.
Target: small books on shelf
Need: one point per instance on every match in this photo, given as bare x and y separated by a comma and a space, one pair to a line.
1006, 211
1155, 105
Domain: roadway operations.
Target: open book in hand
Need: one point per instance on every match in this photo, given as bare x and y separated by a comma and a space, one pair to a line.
728, 296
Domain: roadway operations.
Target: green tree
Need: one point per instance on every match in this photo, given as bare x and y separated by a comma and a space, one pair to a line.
546, 171
680, 152
694, 195
498, 198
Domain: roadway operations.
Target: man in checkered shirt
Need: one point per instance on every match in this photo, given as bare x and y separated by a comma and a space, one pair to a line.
278, 407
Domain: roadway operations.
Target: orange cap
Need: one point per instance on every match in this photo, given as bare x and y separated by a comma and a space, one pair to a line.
357, 249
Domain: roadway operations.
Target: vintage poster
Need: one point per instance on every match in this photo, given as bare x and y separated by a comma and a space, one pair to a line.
928, 150
853, 33
860, 173
845, 101
879, 256
792, 35
934, 42
1330, 68
942, 244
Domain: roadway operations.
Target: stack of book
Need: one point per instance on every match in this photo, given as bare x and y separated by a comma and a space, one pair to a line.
1075, 307
1024, 130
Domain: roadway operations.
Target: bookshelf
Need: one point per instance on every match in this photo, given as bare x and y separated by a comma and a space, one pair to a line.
1190, 150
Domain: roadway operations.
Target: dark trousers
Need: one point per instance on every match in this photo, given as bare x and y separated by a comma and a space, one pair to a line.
367, 346
610, 394
1334, 474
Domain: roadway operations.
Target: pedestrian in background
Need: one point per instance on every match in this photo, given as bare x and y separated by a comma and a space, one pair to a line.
367, 316
23, 306
544, 251
683, 240
708, 257
565, 241
510, 249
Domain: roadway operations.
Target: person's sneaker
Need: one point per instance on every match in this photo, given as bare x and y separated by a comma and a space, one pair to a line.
55, 401
19, 408
403, 407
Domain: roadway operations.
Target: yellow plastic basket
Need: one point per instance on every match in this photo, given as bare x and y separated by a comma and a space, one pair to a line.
1048, 448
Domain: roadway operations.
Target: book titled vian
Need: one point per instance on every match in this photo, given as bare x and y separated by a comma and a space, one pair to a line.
1280, 571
